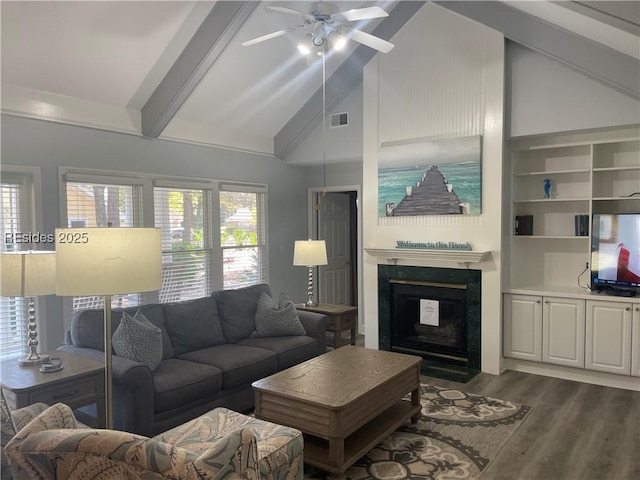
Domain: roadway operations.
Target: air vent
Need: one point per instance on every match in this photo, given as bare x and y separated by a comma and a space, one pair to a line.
339, 120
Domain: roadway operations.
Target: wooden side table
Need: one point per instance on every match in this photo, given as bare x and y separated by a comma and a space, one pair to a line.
78, 384
341, 318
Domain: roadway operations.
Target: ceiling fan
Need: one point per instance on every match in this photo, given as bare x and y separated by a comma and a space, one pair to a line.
326, 23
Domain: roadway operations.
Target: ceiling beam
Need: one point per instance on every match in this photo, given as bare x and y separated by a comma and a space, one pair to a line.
602, 63
209, 41
340, 83
619, 14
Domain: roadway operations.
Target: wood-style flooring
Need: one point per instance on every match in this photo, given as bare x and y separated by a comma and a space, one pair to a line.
576, 431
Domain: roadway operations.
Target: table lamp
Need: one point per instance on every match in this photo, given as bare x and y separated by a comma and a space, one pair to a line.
310, 253
108, 261
28, 274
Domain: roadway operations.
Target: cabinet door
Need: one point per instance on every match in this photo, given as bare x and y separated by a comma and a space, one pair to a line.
608, 334
635, 341
523, 327
563, 331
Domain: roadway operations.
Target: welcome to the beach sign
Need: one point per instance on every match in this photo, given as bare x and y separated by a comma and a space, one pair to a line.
434, 245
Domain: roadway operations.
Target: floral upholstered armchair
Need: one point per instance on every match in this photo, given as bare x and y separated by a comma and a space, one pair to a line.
11, 422
218, 445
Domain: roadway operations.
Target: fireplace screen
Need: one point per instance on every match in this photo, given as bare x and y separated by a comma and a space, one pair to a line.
429, 317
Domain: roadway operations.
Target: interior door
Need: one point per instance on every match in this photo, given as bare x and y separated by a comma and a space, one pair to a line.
334, 228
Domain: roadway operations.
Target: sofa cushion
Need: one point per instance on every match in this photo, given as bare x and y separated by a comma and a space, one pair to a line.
193, 324
87, 326
239, 364
289, 350
137, 339
178, 382
277, 320
238, 310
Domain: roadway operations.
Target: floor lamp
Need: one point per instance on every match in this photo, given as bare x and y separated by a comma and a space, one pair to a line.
29, 274
108, 261
310, 253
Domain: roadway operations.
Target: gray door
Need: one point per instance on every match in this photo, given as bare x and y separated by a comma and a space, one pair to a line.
334, 227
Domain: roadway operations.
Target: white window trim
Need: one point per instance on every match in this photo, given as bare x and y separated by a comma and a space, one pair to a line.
148, 181
33, 222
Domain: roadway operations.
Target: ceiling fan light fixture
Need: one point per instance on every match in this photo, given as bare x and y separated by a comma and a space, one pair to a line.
339, 42
303, 48
317, 40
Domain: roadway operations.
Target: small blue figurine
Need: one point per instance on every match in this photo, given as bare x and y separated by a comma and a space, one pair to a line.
547, 188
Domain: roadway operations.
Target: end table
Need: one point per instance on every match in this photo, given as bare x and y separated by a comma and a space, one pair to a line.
341, 318
78, 384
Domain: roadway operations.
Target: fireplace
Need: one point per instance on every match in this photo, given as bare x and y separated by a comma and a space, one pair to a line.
433, 313
429, 318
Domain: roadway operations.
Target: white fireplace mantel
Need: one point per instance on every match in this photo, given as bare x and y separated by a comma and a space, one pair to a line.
455, 256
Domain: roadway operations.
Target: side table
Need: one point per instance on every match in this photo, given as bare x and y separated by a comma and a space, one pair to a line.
341, 318
78, 384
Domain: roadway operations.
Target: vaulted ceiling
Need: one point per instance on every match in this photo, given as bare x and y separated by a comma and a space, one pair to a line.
177, 69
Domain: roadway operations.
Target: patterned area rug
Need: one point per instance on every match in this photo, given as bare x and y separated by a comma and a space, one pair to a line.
456, 438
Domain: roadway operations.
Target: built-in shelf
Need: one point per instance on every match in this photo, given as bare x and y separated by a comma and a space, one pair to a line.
555, 237
456, 256
557, 172
617, 169
552, 200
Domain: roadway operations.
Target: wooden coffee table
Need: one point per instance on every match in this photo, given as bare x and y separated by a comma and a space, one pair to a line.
344, 401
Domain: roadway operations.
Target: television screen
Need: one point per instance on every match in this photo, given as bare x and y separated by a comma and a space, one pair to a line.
615, 251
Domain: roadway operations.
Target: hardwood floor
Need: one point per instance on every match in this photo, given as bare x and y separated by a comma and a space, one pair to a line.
576, 431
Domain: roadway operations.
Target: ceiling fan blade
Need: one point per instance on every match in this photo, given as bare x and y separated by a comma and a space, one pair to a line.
291, 11
263, 38
361, 14
370, 40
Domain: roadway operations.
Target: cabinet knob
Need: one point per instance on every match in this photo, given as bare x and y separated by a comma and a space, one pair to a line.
628, 308
537, 301
546, 301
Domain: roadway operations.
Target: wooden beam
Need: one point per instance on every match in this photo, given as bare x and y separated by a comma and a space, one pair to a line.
209, 41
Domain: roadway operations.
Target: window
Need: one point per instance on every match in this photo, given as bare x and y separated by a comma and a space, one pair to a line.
213, 233
243, 235
104, 204
17, 216
183, 216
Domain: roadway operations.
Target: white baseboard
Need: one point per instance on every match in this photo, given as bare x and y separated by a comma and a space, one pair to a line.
575, 374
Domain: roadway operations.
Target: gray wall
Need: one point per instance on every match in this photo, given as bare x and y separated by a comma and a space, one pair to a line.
48, 145
547, 96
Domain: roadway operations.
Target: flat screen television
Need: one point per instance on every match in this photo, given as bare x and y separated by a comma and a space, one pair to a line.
615, 253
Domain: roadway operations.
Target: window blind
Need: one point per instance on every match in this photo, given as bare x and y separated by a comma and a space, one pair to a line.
182, 214
243, 236
91, 204
13, 311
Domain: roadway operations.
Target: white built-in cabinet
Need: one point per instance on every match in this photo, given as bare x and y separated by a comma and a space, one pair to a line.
523, 327
599, 335
635, 341
563, 331
549, 314
608, 346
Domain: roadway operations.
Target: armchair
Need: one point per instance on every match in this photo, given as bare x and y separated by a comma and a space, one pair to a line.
12, 422
221, 444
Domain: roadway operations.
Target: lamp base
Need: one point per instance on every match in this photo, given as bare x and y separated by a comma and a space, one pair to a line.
33, 361
310, 304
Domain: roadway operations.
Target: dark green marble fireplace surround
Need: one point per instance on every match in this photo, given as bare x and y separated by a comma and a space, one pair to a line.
473, 280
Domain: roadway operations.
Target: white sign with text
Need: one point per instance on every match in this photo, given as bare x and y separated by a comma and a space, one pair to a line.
429, 312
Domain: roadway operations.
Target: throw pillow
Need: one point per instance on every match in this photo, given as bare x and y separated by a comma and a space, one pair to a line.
277, 320
137, 339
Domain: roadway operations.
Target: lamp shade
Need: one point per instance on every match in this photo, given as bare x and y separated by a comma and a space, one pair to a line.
108, 261
28, 274
310, 253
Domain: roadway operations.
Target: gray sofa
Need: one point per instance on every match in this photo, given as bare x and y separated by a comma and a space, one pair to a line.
209, 358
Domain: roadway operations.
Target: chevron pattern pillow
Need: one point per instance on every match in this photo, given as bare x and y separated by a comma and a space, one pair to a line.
137, 339
277, 320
